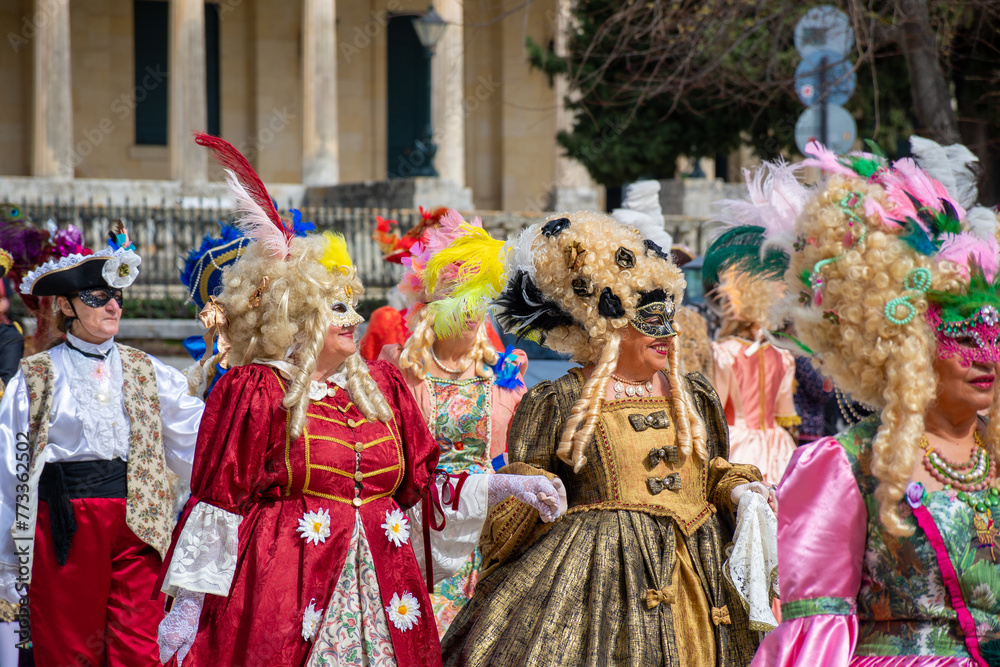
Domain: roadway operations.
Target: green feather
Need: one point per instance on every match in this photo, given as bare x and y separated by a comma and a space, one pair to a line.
740, 247
875, 148
865, 166
957, 307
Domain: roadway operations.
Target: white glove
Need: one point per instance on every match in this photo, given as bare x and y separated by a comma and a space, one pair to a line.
534, 490
756, 487
179, 628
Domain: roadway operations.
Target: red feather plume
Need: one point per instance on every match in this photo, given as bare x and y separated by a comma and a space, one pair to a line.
230, 158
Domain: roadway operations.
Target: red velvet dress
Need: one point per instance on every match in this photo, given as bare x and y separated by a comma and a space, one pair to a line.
246, 465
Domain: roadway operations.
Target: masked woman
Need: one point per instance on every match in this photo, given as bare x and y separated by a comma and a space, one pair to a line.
88, 430
466, 390
633, 574
296, 550
886, 536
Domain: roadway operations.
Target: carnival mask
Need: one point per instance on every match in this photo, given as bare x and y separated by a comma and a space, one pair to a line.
98, 297
654, 315
975, 339
342, 313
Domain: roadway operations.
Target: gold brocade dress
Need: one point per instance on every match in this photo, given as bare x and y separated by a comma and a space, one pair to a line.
632, 575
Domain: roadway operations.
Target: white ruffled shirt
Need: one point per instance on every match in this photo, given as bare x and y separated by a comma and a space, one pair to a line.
87, 422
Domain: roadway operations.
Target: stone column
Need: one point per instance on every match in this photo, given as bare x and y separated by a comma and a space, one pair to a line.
320, 149
448, 94
52, 152
188, 111
573, 189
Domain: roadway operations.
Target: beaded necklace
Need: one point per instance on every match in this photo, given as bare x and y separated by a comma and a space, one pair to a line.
631, 388
972, 475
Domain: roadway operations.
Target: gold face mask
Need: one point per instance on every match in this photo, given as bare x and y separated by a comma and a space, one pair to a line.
342, 313
654, 316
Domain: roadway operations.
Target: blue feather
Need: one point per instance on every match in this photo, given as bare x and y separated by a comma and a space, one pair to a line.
507, 370
917, 238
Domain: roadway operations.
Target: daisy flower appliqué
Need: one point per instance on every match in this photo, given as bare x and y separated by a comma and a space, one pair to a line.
403, 611
310, 620
397, 527
315, 526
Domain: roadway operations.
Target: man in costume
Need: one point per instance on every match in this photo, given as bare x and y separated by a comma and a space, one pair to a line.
87, 431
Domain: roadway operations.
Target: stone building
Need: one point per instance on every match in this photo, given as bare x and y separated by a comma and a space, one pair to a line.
101, 98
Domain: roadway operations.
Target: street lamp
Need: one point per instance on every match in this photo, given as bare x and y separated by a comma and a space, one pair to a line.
430, 28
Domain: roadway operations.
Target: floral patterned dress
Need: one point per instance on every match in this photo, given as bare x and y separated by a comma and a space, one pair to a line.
460, 422
852, 593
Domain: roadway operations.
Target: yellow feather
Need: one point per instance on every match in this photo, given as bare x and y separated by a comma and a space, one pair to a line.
335, 255
480, 261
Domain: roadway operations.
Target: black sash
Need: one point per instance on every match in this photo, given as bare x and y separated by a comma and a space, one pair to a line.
65, 480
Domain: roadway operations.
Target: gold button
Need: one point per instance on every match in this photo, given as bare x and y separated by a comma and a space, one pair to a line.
359, 447
352, 423
357, 502
358, 476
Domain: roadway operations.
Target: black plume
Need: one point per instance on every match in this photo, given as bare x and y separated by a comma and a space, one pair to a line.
522, 309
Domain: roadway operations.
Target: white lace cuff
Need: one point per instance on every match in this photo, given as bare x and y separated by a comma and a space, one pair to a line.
451, 546
8, 583
204, 559
752, 565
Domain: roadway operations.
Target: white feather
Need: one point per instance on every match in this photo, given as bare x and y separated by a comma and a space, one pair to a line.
982, 222
775, 198
951, 165
519, 251
253, 221
641, 209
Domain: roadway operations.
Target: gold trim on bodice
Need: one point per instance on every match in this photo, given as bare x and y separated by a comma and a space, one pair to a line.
642, 469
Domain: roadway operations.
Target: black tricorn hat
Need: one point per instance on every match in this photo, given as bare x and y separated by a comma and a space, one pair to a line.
85, 274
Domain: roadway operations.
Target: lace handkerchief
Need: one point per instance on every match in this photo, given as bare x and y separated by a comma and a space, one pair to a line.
752, 564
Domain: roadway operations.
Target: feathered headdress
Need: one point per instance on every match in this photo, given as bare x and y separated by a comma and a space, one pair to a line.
456, 271
759, 234
259, 220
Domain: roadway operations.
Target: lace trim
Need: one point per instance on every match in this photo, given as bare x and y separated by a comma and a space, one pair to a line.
56, 264
97, 386
818, 607
784, 421
204, 559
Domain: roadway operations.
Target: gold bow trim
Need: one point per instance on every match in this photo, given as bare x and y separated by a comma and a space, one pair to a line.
666, 595
665, 454
213, 317
656, 419
720, 615
671, 482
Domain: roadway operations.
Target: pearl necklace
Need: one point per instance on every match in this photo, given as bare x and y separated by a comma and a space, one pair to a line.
445, 368
630, 388
846, 405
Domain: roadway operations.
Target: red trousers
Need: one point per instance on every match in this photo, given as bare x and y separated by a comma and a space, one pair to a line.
94, 610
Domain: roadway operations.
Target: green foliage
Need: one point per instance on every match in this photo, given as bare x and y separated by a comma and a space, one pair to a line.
642, 101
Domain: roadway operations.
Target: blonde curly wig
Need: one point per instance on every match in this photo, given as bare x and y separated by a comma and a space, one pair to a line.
884, 364
587, 272
290, 320
747, 300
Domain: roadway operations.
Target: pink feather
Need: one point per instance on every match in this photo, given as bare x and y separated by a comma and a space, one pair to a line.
906, 177
967, 248
825, 159
254, 222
